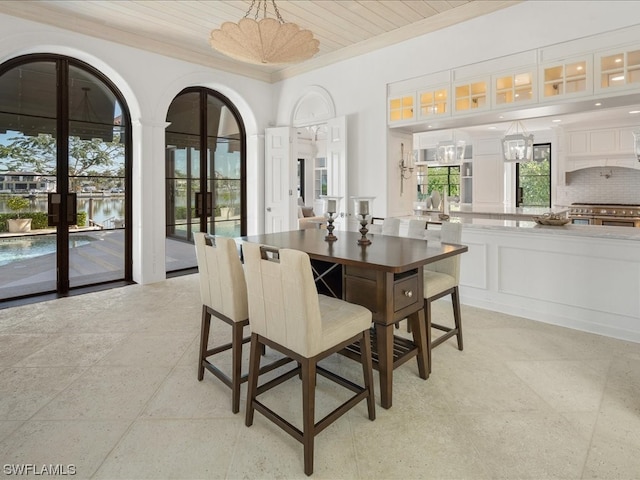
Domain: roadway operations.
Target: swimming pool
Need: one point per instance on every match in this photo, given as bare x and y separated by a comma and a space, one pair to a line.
13, 249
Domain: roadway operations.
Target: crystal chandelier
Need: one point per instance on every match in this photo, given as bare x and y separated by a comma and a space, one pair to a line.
517, 147
269, 41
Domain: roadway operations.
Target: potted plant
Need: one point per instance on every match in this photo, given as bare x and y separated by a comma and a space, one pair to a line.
18, 225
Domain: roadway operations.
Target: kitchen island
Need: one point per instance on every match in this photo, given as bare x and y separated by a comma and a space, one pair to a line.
576, 276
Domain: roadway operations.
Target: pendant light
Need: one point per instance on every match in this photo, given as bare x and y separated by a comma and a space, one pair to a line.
268, 41
517, 147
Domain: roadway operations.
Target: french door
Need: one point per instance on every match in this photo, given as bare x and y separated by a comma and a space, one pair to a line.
205, 163
64, 147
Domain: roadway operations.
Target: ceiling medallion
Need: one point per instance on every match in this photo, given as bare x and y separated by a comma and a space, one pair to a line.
269, 41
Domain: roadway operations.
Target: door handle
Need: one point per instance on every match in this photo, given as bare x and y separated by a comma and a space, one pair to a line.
268, 209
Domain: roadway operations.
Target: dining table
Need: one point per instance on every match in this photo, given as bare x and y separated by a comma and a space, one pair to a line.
385, 276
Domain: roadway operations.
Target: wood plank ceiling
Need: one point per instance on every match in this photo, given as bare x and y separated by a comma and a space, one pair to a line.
181, 28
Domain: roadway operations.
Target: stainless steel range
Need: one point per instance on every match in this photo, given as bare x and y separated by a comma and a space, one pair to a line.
613, 215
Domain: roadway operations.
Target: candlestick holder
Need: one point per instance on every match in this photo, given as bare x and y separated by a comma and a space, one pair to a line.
363, 231
330, 237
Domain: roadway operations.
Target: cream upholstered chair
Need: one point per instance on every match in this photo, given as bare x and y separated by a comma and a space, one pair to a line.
224, 295
223, 291
416, 228
391, 226
441, 278
289, 315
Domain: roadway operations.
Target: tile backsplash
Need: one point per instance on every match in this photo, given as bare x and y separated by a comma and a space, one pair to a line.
601, 185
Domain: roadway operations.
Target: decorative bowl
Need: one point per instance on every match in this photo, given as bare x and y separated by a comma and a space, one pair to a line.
443, 216
551, 219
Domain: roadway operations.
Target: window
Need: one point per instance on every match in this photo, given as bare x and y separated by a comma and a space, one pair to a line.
445, 180
533, 179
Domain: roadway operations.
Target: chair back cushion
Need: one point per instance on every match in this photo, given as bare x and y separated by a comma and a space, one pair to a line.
449, 233
417, 228
283, 300
222, 284
391, 226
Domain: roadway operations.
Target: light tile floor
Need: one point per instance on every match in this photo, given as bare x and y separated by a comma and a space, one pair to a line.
107, 382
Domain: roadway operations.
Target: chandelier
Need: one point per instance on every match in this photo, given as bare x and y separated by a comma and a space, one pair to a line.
517, 147
269, 41
450, 151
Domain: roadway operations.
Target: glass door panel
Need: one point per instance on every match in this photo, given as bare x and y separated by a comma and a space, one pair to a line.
96, 181
28, 151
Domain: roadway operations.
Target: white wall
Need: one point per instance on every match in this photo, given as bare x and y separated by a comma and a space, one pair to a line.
149, 82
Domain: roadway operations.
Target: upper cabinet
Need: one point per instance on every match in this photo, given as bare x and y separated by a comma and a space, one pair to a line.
471, 96
434, 102
402, 108
514, 88
566, 78
618, 69
598, 67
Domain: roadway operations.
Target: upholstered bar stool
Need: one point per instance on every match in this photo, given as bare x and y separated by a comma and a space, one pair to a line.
223, 291
441, 278
288, 315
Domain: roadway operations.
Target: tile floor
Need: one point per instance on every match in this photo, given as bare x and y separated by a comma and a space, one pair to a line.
106, 382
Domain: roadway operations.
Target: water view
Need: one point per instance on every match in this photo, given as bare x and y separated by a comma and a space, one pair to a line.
100, 209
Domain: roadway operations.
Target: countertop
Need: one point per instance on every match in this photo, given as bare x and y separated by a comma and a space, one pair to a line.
503, 210
529, 227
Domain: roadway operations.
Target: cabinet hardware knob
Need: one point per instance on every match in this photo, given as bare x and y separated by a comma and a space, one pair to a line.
408, 293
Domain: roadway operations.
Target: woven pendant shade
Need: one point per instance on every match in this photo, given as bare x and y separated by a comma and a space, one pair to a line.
265, 41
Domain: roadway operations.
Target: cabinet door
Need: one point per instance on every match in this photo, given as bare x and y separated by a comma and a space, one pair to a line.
511, 89
402, 108
566, 79
617, 69
471, 96
434, 102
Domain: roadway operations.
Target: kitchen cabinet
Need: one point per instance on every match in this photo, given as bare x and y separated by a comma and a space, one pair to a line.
617, 69
402, 108
609, 147
434, 102
566, 78
510, 89
471, 96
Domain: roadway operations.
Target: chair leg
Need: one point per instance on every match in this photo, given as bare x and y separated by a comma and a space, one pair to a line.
367, 371
252, 382
236, 364
427, 315
308, 411
455, 300
204, 340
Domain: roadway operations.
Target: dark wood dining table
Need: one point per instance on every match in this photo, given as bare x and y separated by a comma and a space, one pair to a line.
385, 276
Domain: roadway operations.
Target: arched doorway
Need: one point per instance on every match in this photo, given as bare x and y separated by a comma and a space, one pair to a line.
65, 146
205, 172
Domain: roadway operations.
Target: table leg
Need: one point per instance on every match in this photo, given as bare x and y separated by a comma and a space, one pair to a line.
384, 334
418, 328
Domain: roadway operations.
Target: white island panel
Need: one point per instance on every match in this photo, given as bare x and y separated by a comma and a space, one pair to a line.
582, 278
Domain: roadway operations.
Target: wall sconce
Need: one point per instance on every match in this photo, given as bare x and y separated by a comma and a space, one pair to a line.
450, 151
404, 167
636, 144
517, 147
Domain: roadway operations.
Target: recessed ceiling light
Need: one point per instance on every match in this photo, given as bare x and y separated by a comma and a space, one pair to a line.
429, 126
556, 120
500, 116
598, 104
634, 111
492, 128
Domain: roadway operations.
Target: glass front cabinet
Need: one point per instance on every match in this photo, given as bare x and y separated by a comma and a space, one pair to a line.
433, 102
471, 96
566, 78
402, 108
514, 88
618, 69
